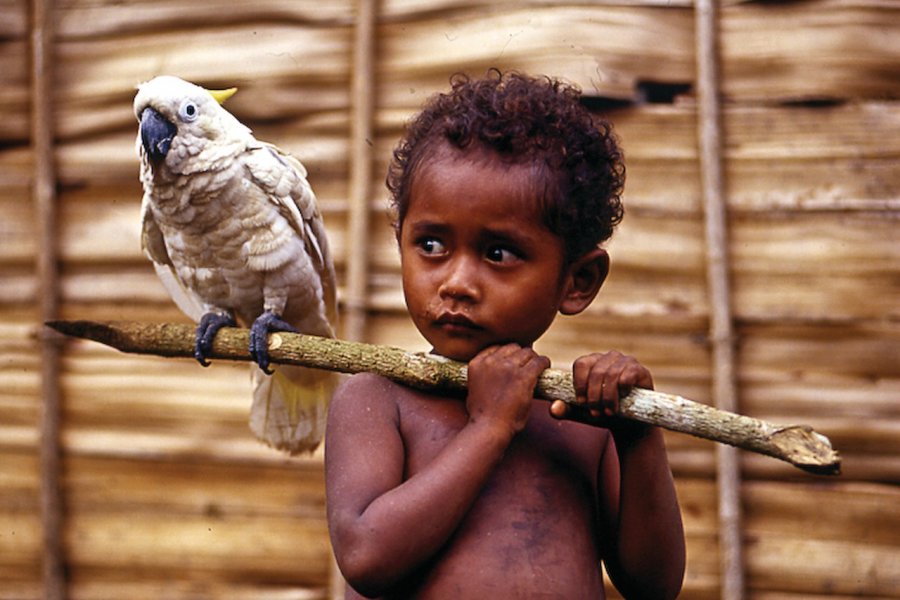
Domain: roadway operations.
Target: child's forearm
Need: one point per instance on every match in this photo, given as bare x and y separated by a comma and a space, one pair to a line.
405, 526
650, 537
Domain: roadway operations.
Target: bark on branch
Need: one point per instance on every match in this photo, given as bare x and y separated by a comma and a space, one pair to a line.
798, 445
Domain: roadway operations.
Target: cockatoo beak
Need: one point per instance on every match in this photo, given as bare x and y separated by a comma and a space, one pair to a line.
221, 96
156, 134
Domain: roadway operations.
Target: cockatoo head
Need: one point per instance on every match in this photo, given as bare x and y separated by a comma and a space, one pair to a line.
179, 120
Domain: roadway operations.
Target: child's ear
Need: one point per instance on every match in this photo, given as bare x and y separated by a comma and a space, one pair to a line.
583, 280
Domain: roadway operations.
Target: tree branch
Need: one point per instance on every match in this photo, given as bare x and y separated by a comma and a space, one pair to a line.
798, 445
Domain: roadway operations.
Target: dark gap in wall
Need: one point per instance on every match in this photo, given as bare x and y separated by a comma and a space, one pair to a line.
602, 104
823, 102
661, 92
778, 2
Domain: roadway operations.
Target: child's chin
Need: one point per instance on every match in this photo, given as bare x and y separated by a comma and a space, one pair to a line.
458, 352
457, 356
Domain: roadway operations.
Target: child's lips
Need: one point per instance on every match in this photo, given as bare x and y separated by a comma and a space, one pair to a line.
457, 323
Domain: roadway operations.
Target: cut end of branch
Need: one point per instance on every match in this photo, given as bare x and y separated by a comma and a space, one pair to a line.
162, 339
91, 330
807, 450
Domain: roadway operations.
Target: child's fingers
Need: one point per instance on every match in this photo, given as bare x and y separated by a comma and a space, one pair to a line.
603, 387
588, 379
492, 354
574, 412
622, 375
632, 374
543, 362
587, 376
558, 409
485, 354
601, 379
522, 356
599, 394
511, 356
581, 369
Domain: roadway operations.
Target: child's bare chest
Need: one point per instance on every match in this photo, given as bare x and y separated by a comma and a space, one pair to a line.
534, 520
427, 424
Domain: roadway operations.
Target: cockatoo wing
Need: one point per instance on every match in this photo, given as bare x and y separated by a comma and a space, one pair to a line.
154, 246
283, 178
290, 406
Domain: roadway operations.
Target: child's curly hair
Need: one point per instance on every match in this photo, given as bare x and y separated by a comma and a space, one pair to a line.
524, 119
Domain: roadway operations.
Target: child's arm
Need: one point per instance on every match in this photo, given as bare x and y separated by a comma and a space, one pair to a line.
641, 523
382, 527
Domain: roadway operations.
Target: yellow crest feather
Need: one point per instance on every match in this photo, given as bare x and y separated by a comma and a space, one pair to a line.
221, 96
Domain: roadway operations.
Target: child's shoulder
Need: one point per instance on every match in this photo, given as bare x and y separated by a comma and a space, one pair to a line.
368, 392
378, 388
362, 398
368, 396
365, 382
366, 388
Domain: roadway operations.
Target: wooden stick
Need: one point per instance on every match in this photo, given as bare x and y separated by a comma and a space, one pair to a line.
798, 445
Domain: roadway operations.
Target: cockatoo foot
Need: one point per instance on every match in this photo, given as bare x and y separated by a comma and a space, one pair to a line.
209, 326
259, 337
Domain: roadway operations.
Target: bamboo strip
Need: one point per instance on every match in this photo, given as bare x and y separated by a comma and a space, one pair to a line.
44, 197
728, 473
796, 444
361, 157
361, 170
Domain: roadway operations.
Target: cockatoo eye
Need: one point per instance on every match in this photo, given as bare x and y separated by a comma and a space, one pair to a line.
188, 111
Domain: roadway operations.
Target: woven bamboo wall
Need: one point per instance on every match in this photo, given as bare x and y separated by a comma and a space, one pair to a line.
165, 493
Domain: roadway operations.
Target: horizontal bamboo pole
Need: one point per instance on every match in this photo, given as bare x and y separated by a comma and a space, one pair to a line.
798, 445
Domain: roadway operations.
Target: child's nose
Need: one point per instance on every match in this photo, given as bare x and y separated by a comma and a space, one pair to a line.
461, 280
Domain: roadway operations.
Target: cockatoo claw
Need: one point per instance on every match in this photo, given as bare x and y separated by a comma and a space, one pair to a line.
209, 325
259, 337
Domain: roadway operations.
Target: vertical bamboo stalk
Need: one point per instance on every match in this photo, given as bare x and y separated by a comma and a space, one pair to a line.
721, 322
361, 144
44, 198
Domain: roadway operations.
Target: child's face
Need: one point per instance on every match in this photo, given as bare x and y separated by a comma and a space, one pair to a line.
479, 266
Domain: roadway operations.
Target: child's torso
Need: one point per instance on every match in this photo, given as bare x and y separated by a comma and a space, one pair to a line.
532, 531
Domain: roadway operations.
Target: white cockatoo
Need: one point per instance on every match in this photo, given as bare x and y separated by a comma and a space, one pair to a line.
233, 230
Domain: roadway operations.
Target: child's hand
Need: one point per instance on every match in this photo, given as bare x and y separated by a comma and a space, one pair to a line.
599, 381
501, 382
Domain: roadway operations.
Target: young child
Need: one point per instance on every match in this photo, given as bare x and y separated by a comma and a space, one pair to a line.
503, 189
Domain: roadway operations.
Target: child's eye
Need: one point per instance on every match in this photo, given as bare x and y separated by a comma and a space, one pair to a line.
501, 254
430, 245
